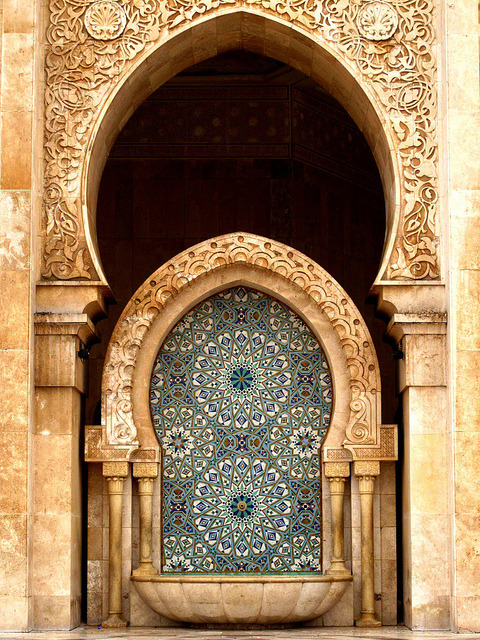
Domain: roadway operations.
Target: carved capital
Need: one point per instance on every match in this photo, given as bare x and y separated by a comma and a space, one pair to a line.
366, 468
337, 469
115, 469
145, 469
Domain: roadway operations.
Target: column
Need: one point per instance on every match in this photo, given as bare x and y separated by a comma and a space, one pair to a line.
145, 472
366, 471
115, 472
337, 474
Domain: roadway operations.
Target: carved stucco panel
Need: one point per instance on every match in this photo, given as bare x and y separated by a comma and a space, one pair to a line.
82, 70
117, 406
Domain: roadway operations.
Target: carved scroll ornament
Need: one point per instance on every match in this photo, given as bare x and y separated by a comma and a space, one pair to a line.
140, 313
92, 45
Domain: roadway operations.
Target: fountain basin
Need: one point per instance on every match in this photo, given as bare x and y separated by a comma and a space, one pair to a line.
240, 598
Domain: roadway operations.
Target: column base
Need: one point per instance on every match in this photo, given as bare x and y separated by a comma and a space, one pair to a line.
338, 569
114, 620
368, 620
146, 569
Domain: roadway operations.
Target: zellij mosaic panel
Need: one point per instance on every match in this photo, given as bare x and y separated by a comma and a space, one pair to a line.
241, 397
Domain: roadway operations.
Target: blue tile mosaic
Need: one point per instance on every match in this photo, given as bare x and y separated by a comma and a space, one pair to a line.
241, 397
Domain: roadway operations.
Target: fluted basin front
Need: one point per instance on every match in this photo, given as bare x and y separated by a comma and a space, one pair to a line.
241, 599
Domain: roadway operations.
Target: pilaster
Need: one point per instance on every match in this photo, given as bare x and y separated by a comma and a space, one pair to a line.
422, 380
61, 341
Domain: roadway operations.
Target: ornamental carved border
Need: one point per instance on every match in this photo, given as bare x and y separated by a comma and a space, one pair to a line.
92, 44
363, 429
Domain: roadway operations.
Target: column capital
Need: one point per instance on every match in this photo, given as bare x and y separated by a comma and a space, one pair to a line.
115, 469
366, 468
337, 469
145, 469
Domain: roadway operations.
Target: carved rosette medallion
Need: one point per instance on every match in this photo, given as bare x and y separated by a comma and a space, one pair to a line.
377, 21
105, 20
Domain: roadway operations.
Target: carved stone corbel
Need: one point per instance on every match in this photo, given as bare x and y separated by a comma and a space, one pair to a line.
145, 472
115, 472
337, 474
366, 471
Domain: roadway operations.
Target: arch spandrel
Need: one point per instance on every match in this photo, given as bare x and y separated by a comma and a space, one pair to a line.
199, 272
382, 70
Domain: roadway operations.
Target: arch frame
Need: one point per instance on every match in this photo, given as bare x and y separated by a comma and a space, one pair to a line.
388, 85
127, 433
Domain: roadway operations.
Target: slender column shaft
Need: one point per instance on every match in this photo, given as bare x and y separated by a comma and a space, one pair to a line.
115, 493
336, 474
145, 472
366, 472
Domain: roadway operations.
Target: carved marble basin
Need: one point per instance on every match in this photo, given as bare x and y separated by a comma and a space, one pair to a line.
241, 599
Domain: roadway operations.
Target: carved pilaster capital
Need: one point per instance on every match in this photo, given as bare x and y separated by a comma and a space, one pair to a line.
366, 468
145, 469
115, 469
337, 469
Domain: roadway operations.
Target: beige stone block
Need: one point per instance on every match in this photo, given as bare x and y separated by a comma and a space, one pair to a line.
467, 398
426, 410
15, 317
15, 613
52, 571
467, 617
428, 477
464, 230
432, 613
388, 541
53, 473
57, 411
462, 17
14, 230
467, 476
462, 67
424, 363
386, 480
467, 312
53, 612
16, 150
14, 450
464, 142
389, 608
17, 72
18, 16
13, 556
15, 390
467, 543
57, 363
341, 615
388, 512
429, 539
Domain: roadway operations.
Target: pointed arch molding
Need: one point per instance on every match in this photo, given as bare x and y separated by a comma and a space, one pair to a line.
127, 432
382, 67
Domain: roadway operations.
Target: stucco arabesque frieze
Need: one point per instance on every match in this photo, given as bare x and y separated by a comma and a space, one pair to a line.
139, 314
91, 45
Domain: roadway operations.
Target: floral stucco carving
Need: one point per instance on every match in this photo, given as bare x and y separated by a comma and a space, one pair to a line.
138, 316
82, 70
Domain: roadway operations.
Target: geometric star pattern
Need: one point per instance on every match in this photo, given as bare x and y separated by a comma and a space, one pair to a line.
241, 400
